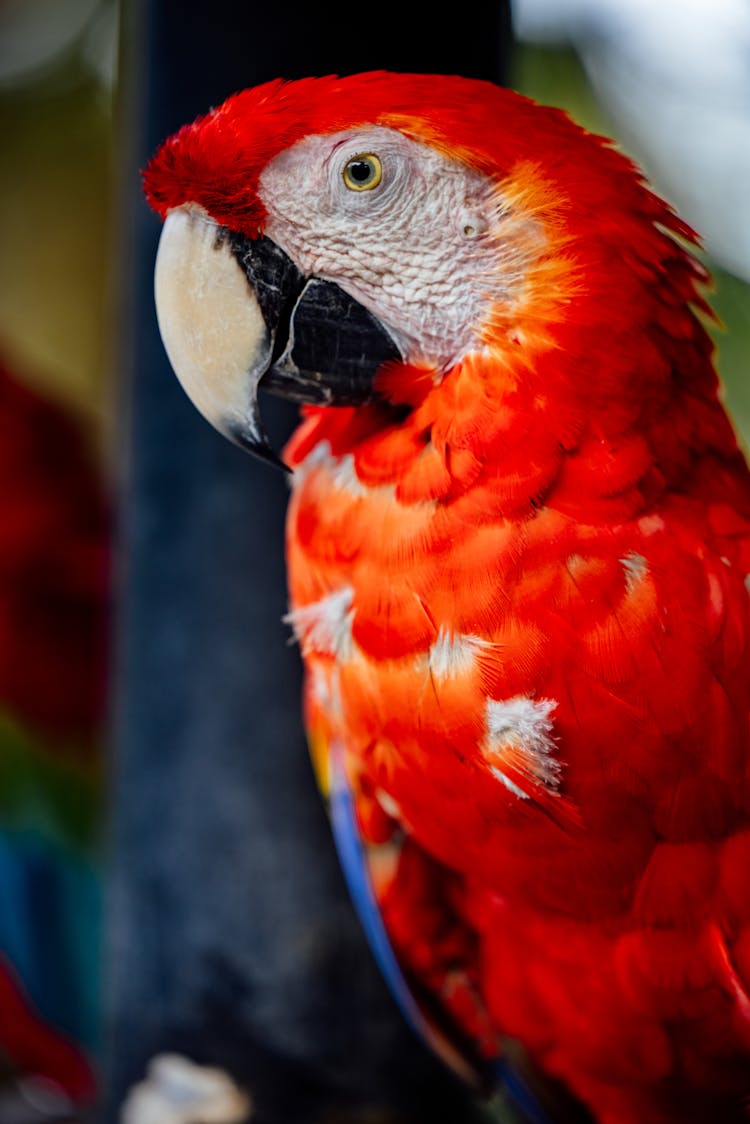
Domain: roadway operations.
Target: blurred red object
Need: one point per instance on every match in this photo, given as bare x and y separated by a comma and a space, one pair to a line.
54, 568
36, 1048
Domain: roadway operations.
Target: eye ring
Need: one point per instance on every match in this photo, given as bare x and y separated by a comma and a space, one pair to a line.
363, 172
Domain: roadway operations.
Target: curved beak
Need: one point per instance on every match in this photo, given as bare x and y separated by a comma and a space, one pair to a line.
235, 312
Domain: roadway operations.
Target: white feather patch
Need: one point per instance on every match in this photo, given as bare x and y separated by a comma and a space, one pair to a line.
651, 524
344, 476
454, 654
509, 784
388, 804
635, 567
320, 456
520, 733
177, 1091
325, 686
325, 625
341, 470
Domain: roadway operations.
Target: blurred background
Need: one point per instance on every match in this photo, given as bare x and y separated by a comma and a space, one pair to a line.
146, 813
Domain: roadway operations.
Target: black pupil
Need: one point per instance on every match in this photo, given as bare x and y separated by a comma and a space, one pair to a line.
360, 170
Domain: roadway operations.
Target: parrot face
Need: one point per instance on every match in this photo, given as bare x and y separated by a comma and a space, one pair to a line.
517, 549
230, 309
422, 242
404, 230
372, 246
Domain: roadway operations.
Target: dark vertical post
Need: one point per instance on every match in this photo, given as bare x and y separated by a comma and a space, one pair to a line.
230, 934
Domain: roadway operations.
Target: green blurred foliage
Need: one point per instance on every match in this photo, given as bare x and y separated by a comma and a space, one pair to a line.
44, 792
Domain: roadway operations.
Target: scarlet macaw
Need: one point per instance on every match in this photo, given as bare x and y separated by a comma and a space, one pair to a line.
518, 551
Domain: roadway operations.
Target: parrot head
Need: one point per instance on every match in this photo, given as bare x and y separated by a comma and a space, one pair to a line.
344, 240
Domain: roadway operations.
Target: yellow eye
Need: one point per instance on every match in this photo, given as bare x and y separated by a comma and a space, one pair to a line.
363, 172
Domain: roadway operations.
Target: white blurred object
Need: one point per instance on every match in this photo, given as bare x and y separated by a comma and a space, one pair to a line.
674, 76
177, 1091
35, 32
38, 35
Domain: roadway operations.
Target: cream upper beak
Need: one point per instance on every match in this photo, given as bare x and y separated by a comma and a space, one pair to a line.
210, 321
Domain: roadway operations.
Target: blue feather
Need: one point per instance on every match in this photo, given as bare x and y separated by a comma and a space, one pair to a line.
49, 928
353, 857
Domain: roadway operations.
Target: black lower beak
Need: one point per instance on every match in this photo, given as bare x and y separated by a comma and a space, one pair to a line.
327, 347
334, 348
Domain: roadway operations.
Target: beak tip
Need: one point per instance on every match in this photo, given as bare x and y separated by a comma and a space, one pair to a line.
255, 442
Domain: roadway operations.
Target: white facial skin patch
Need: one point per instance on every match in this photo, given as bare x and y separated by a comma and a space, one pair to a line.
424, 249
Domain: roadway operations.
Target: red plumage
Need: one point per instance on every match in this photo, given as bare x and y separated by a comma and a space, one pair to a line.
34, 1048
54, 569
546, 682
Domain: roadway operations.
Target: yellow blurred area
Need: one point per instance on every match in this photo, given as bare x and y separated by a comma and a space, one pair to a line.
56, 237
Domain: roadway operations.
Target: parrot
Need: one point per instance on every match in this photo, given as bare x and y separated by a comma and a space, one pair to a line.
518, 553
